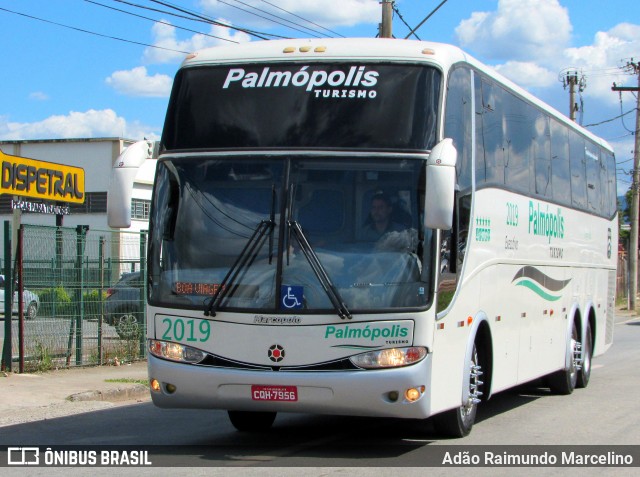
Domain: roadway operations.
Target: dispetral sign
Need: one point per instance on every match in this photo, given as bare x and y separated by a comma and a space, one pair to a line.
26, 177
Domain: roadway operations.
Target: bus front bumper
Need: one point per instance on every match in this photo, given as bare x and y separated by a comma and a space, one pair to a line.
381, 393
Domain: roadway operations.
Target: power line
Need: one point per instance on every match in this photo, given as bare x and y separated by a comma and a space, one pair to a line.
160, 21
622, 116
304, 19
397, 10
610, 120
93, 32
426, 18
202, 18
313, 32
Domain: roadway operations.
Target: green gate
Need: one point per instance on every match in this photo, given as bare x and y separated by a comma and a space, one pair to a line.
82, 298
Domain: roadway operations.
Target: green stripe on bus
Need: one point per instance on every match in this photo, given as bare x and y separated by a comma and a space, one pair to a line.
537, 290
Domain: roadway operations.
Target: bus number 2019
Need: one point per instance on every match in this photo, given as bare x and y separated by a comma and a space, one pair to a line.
179, 329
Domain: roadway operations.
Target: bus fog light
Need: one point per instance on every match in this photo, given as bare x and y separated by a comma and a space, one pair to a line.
171, 388
413, 394
389, 358
155, 385
392, 396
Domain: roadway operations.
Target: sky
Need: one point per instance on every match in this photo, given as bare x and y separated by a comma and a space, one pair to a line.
104, 68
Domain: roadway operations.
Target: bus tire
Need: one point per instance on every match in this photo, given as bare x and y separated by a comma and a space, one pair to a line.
587, 353
251, 421
565, 381
458, 422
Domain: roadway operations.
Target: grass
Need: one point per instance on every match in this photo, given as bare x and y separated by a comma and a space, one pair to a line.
144, 382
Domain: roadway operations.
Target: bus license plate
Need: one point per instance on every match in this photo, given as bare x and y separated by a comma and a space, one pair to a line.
274, 393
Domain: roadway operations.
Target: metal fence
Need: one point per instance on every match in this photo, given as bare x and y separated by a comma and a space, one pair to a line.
82, 298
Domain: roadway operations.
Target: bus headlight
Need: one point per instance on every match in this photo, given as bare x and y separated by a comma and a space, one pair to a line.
175, 351
389, 358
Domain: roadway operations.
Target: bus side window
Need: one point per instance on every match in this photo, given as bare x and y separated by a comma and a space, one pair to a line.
453, 249
459, 127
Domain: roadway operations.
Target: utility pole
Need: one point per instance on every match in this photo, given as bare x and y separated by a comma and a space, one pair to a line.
387, 19
635, 185
571, 79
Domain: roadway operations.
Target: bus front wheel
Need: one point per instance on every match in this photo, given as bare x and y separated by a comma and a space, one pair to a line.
251, 421
458, 422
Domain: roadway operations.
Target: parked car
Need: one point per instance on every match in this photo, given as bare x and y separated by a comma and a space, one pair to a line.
123, 307
30, 301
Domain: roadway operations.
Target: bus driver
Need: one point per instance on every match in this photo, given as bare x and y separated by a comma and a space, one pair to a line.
380, 220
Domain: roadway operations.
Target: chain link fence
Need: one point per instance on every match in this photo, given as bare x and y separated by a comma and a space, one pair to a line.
82, 298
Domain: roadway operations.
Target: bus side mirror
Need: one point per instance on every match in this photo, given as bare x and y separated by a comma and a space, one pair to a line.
440, 186
123, 174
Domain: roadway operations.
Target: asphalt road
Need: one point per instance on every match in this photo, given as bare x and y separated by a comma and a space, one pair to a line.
605, 413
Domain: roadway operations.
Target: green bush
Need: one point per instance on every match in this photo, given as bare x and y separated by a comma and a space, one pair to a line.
92, 304
55, 302
61, 303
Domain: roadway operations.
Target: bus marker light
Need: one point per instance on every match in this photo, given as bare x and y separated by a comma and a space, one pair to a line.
428, 51
289, 49
441, 326
155, 385
305, 49
469, 320
498, 318
191, 56
460, 324
320, 49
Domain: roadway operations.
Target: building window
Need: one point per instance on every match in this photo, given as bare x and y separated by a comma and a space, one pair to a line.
5, 204
140, 209
94, 203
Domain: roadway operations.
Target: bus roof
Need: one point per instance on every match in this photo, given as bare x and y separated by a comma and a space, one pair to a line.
367, 49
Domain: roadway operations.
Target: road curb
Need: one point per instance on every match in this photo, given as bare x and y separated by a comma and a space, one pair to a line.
123, 393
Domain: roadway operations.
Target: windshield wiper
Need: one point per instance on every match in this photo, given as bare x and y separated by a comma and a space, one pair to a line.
244, 260
324, 279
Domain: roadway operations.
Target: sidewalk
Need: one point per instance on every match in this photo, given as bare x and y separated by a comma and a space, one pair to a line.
622, 312
29, 397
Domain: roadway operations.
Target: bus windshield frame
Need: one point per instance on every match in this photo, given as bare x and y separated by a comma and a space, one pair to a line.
290, 234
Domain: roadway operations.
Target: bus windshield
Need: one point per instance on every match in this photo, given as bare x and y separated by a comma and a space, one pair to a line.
290, 234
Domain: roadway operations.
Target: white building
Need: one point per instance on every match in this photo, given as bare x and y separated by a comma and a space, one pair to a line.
96, 157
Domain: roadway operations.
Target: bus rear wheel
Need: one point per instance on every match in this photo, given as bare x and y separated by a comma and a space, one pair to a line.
566, 380
459, 422
587, 353
251, 421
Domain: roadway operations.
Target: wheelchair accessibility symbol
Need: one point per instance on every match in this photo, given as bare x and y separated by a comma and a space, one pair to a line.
291, 297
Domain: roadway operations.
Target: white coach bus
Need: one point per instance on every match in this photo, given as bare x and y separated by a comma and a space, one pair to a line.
369, 227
